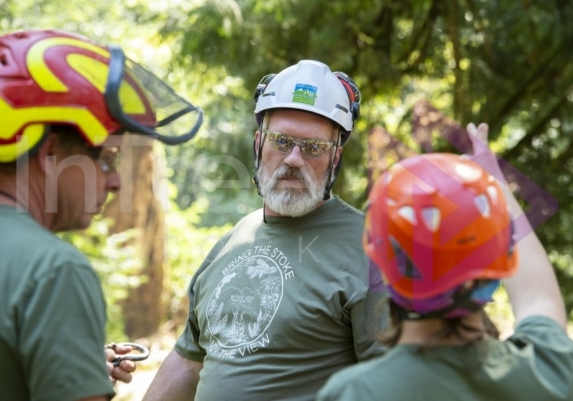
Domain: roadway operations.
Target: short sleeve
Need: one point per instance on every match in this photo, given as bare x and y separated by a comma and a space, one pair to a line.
187, 345
369, 317
62, 335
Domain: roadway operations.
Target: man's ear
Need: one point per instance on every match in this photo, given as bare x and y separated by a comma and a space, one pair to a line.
256, 142
47, 151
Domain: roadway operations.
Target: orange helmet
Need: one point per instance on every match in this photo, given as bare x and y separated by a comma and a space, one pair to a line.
435, 222
54, 77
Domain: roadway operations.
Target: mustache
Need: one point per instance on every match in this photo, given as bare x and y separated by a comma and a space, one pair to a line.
291, 172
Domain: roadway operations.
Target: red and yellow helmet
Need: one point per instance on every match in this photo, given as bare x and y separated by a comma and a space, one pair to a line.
435, 222
54, 77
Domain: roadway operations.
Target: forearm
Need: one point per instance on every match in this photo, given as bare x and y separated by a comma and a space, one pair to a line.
176, 380
533, 289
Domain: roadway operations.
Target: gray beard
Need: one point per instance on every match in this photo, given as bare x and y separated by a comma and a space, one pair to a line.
293, 202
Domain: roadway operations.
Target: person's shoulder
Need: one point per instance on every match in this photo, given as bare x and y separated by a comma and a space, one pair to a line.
541, 338
362, 369
60, 255
339, 212
19, 222
250, 222
342, 214
344, 207
253, 219
538, 323
541, 344
255, 215
540, 329
354, 380
382, 377
29, 239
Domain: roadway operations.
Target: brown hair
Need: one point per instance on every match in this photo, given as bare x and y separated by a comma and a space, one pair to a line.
70, 138
450, 328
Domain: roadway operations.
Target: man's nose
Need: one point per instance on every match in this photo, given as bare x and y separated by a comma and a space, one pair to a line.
113, 181
295, 158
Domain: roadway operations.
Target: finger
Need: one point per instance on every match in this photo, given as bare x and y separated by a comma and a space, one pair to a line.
109, 354
110, 368
471, 128
478, 137
121, 375
127, 366
482, 154
123, 349
482, 132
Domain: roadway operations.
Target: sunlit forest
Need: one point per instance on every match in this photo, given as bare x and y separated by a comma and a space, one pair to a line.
426, 68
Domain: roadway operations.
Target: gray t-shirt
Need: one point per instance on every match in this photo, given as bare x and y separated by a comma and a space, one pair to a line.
52, 316
277, 307
535, 363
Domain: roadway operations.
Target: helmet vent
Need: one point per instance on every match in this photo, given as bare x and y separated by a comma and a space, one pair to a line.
482, 204
432, 218
408, 213
493, 194
3, 60
8, 68
405, 264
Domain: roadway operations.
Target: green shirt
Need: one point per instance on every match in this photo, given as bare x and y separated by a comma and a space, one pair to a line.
277, 307
52, 316
535, 363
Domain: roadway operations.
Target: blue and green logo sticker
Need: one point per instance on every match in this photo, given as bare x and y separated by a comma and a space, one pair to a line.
304, 94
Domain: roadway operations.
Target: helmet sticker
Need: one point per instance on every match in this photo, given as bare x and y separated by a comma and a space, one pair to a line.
304, 93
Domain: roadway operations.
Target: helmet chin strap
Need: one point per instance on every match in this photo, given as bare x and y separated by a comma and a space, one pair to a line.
257, 153
332, 170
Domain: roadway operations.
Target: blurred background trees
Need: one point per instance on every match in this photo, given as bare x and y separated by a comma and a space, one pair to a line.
425, 67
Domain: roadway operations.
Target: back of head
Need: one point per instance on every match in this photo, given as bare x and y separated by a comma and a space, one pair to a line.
438, 227
310, 86
54, 77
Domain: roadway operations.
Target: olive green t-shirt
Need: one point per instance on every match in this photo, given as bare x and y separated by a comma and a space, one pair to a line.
52, 316
535, 363
277, 307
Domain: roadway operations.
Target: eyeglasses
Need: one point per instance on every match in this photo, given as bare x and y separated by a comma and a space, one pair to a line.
309, 147
108, 157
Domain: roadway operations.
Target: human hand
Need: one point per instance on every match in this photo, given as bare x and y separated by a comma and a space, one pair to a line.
482, 154
119, 371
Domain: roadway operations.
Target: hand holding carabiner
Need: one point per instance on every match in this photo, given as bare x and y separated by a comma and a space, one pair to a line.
121, 359
142, 354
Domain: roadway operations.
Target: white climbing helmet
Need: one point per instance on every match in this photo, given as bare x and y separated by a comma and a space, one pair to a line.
310, 86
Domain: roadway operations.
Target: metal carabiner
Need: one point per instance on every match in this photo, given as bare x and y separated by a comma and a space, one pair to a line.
143, 352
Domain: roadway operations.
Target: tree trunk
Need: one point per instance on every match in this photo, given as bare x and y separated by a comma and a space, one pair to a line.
136, 206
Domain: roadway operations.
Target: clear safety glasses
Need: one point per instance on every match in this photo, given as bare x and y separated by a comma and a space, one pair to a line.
107, 157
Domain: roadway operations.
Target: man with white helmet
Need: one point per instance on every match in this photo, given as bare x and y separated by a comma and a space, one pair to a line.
64, 100
281, 301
